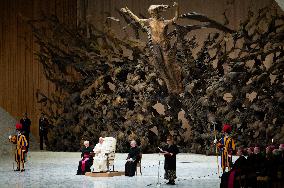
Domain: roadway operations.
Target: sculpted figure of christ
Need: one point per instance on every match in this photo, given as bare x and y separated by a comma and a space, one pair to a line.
156, 27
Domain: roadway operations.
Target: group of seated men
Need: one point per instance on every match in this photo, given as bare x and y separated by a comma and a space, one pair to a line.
257, 167
96, 159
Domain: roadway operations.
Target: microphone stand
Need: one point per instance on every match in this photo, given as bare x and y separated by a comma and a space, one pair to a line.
158, 183
216, 148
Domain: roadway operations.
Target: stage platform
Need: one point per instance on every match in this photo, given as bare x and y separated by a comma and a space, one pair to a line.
105, 174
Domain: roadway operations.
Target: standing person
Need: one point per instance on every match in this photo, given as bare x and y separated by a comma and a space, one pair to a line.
239, 168
226, 146
132, 159
170, 152
26, 123
259, 161
43, 130
251, 175
21, 145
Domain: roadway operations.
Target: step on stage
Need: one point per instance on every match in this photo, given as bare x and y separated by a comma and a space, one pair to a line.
105, 174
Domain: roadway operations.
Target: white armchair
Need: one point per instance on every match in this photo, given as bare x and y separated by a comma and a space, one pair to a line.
110, 145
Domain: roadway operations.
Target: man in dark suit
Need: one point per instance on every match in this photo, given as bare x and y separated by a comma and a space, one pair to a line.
170, 151
43, 130
26, 127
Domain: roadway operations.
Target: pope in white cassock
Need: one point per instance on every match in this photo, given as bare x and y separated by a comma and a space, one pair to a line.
100, 159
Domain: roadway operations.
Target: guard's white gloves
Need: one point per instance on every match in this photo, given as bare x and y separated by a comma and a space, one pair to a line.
215, 141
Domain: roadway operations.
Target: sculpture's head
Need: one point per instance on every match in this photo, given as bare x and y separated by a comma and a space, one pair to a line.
155, 10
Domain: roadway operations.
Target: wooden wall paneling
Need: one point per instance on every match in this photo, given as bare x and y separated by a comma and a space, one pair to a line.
38, 74
30, 73
34, 67
27, 76
8, 53
1, 58
4, 57
37, 8
22, 35
58, 8
20, 57
12, 51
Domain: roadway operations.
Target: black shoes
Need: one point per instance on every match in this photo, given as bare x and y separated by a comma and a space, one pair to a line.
171, 183
22, 170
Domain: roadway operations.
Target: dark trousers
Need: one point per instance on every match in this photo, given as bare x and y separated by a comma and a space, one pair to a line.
43, 137
224, 180
130, 168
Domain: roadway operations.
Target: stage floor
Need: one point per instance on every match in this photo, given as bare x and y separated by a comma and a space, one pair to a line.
58, 169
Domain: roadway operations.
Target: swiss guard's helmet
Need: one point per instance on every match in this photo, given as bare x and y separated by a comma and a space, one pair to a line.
19, 126
227, 128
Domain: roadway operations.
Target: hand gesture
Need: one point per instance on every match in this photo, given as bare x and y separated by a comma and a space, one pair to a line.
124, 10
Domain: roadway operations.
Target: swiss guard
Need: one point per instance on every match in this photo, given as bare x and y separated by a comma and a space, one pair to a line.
226, 147
21, 147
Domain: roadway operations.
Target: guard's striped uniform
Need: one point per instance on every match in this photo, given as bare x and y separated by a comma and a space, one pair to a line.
22, 143
227, 146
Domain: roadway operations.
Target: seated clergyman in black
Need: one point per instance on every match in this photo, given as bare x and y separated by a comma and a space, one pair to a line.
86, 159
132, 159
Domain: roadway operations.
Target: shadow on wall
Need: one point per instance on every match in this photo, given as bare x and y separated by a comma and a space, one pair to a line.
7, 127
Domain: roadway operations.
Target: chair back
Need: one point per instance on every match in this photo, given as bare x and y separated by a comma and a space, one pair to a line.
110, 146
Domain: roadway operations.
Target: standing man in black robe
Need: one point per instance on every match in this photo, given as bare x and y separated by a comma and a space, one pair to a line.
26, 123
170, 152
132, 159
43, 130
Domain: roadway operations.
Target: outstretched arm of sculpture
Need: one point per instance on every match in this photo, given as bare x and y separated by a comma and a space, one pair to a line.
133, 16
176, 12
